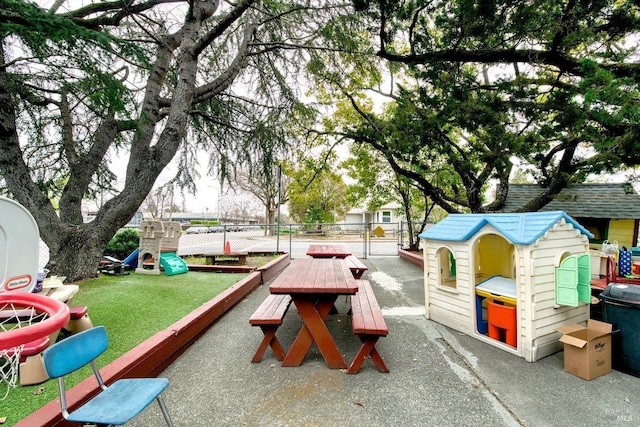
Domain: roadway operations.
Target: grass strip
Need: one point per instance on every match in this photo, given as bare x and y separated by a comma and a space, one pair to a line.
132, 308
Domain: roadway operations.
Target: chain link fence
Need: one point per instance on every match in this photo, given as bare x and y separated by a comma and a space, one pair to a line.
361, 239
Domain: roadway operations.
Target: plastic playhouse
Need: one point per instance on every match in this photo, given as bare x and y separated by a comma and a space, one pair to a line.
508, 279
159, 241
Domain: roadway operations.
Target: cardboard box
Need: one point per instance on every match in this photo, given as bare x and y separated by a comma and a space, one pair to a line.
587, 351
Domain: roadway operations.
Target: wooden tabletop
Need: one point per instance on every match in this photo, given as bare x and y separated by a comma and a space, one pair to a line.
315, 276
328, 251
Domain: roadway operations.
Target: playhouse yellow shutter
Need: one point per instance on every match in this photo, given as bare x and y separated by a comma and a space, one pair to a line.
573, 280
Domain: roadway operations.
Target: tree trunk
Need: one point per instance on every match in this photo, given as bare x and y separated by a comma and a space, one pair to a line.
75, 255
271, 221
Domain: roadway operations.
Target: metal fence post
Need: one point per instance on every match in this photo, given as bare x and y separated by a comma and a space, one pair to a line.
290, 241
365, 234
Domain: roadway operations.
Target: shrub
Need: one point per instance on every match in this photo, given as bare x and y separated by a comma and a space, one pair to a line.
123, 243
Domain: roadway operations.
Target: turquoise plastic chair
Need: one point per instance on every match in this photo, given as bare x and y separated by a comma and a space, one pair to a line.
115, 404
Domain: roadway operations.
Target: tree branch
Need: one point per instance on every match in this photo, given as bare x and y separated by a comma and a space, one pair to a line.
562, 61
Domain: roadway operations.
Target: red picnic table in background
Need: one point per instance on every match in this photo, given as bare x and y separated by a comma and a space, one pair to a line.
328, 251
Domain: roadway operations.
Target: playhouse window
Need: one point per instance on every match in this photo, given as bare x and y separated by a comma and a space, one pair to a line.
447, 268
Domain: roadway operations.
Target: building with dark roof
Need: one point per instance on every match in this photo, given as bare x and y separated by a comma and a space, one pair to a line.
611, 211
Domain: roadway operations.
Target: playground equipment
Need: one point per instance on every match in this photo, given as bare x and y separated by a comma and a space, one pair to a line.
132, 259
27, 321
509, 280
112, 266
159, 241
19, 246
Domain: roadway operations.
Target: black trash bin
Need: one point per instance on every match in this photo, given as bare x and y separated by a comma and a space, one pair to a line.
621, 308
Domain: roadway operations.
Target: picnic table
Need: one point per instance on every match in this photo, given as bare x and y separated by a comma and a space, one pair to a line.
328, 251
314, 285
53, 287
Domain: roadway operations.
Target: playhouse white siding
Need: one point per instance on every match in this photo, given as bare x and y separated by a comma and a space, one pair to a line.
448, 306
543, 316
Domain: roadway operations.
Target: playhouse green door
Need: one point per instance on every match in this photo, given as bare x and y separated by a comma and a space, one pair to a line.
573, 280
567, 282
584, 278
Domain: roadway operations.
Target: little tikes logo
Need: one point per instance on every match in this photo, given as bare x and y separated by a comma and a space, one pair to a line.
17, 282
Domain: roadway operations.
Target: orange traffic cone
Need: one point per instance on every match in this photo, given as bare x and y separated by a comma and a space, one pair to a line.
227, 248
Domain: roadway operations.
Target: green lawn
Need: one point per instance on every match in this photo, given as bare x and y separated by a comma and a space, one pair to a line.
132, 308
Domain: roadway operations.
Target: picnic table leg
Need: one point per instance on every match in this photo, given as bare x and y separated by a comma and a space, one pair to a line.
368, 349
314, 329
378, 361
268, 339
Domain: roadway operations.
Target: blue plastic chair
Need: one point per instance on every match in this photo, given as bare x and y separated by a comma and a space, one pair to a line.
115, 404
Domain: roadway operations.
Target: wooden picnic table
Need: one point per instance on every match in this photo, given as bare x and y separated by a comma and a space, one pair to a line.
328, 251
314, 285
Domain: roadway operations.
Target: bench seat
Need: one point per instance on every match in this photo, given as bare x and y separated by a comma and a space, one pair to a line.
356, 266
78, 320
269, 317
240, 257
369, 325
31, 369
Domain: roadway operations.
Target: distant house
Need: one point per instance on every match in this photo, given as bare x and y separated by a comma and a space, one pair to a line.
133, 223
609, 211
390, 213
186, 218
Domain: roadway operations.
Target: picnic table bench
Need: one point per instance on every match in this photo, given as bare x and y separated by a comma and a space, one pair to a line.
241, 257
31, 368
269, 317
369, 325
356, 266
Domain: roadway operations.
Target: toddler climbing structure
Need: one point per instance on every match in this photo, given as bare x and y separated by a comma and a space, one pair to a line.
159, 241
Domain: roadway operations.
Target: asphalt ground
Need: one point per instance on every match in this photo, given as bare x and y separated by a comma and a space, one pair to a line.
438, 377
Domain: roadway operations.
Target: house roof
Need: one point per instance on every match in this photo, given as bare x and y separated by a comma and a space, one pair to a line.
595, 200
521, 228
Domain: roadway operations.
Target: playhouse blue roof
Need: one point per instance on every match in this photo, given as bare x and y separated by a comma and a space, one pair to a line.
519, 228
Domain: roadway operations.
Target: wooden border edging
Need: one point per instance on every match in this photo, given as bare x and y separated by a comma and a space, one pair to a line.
412, 257
219, 268
270, 269
153, 356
